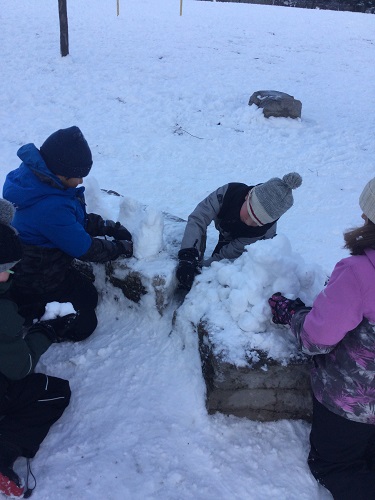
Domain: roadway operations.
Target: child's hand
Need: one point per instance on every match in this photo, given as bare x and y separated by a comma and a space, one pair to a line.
117, 231
283, 309
125, 247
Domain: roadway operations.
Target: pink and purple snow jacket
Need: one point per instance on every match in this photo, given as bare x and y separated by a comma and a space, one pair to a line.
339, 331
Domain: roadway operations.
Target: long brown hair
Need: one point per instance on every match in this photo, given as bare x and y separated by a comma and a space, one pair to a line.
360, 238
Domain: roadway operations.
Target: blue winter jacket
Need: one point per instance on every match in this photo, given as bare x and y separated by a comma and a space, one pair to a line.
48, 214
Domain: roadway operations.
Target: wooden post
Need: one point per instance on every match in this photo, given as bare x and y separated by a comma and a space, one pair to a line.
180, 7
118, 7
64, 36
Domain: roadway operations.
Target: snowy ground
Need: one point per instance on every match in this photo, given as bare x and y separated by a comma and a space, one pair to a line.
162, 100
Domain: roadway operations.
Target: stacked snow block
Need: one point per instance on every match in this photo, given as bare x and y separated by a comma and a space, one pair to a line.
130, 282
150, 280
134, 284
265, 390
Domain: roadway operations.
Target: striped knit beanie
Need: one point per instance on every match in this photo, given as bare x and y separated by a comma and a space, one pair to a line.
267, 202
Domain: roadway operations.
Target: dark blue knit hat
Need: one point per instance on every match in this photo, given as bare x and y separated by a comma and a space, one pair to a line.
67, 153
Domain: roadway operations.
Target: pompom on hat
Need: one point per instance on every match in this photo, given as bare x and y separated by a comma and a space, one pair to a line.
367, 200
67, 153
10, 245
267, 202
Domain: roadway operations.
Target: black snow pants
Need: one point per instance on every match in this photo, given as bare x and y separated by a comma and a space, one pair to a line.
342, 455
28, 409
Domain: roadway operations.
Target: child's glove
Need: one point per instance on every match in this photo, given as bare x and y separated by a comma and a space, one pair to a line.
55, 329
125, 247
187, 267
284, 309
116, 230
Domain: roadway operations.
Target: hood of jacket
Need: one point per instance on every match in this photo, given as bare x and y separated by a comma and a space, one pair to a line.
47, 214
32, 181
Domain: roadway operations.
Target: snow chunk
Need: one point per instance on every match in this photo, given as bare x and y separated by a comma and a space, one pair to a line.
146, 225
55, 309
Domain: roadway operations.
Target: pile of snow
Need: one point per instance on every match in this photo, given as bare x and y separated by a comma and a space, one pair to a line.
231, 298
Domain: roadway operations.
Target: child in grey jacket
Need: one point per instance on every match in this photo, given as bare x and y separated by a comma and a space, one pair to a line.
242, 214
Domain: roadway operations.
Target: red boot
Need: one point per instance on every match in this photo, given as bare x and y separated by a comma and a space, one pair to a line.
10, 483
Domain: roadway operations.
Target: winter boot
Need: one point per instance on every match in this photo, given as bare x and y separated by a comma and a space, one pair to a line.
58, 329
10, 483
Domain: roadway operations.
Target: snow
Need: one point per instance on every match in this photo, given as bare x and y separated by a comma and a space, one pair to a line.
55, 309
232, 299
163, 102
146, 225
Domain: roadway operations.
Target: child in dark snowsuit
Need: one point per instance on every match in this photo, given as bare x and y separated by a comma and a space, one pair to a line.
55, 230
339, 331
29, 402
242, 214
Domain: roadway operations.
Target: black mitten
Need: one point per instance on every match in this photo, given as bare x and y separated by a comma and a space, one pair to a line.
125, 247
95, 225
187, 267
117, 231
55, 329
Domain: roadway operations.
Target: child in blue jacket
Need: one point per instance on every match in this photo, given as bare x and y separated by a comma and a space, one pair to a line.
55, 229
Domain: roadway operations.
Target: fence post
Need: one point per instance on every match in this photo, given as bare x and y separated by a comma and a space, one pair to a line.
64, 36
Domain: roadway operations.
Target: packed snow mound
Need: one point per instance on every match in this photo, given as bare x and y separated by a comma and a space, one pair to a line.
145, 223
231, 298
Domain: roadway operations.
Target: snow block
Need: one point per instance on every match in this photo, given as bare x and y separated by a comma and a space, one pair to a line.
150, 279
264, 391
276, 103
130, 283
135, 284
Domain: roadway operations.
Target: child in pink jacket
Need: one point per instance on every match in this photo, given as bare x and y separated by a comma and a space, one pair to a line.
339, 331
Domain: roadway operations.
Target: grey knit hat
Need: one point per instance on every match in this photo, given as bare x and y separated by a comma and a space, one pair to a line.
10, 245
367, 200
267, 202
